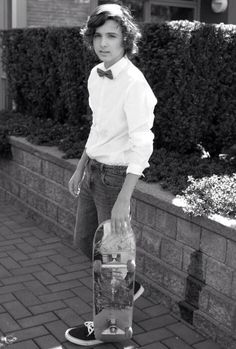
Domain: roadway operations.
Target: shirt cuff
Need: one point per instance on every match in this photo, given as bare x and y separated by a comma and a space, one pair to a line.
135, 169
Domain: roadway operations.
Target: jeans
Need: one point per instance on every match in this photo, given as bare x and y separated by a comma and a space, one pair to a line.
98, 193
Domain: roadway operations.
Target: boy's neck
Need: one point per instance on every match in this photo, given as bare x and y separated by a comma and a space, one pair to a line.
108, 66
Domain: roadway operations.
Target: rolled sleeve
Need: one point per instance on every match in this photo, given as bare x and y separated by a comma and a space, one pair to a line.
139, 109
134, 169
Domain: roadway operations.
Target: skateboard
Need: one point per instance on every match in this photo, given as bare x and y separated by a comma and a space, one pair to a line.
113, 283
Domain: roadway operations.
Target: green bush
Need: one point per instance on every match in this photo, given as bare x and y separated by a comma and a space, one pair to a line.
172, 169
47, 72
69, 138
16, 123
210, 195
164, 59
213, 59
190, 66
5, 148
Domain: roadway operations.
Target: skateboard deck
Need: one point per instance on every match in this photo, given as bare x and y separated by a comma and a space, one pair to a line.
113, 283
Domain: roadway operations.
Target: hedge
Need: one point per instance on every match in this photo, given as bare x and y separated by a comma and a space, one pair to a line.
46, 77
191, 67
207, 196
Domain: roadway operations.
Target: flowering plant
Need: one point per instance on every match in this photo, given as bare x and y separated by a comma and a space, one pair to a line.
211, 195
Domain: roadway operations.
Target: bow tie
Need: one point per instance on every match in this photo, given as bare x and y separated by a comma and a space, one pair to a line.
107, 73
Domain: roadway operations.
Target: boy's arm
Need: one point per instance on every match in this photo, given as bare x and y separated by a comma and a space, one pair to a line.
120, 214
76, 179
139, 106
139, 109
83, 160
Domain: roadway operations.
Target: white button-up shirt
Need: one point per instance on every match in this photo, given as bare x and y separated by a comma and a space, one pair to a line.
122, 117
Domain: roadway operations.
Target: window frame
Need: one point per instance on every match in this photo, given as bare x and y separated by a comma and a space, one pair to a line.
194, 4
6, 14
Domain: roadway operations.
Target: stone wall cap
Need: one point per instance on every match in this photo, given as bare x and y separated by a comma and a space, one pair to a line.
46, 152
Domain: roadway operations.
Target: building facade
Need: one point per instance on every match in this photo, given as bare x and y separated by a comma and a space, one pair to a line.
30, 13
42, 13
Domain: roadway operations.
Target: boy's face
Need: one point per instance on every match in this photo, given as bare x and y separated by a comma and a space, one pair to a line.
108, 43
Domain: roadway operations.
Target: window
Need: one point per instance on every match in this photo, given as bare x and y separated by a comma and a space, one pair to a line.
6, 14
169, 10
9, 11
136, 6
156, 11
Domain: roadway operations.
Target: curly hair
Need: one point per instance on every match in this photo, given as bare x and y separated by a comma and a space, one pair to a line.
120, 14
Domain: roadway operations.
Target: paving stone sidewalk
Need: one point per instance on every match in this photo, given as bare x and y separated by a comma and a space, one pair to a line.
45, 287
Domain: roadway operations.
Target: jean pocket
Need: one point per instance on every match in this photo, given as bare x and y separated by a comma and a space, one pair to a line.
113, 180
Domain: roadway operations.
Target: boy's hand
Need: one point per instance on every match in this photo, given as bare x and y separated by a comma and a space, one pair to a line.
75, 181
120, 216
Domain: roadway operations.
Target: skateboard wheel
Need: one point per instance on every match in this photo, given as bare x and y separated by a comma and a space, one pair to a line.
97, 267
131, 266
128, 332
113, 329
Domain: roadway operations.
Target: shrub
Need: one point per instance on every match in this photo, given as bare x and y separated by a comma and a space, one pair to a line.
5, 147
171, 169
164, 58
16, 123
69, 138
73, 142
190, 66
47, 72
210, 195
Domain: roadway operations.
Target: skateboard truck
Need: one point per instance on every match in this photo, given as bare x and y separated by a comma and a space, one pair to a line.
112, 328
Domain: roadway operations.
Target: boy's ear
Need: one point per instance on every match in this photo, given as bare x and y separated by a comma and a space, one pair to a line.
125, 43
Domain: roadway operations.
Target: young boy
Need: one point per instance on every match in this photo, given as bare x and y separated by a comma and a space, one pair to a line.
120, 140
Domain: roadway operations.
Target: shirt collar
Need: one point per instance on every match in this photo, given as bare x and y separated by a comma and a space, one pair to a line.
117, 67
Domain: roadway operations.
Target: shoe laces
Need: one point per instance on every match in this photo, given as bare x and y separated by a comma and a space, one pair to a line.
90, 327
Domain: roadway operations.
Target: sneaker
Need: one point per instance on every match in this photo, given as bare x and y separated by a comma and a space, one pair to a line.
138, 290
82, 335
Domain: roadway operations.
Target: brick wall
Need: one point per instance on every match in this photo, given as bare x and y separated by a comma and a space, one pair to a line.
57, 12
189, 264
